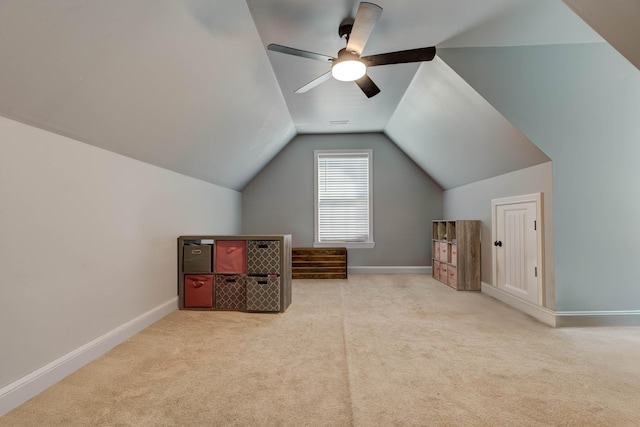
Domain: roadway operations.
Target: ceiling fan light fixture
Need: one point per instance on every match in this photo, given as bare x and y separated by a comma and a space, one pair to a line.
348, 67
348, 71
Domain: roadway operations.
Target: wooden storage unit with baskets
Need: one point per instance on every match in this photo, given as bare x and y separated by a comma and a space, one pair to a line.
456, 253
242, 273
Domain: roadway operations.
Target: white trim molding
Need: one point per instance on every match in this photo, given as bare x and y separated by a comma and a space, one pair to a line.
543, 314
598, 318
357, 172
565, 318
348, 245
420, 269
23, 389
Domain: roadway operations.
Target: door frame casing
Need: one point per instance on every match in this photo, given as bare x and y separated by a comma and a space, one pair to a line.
538, 199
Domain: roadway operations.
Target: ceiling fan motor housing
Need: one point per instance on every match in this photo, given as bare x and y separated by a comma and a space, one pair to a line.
345, 55
345, 28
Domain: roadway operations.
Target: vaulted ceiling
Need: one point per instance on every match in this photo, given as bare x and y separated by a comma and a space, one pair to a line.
189, 85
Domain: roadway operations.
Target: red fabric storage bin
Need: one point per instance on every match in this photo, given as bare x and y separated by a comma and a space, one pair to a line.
198, 290
231, 256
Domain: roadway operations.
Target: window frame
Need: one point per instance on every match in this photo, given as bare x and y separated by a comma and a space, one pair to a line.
369, 243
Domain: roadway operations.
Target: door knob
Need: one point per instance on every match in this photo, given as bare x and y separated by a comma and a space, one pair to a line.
497, 243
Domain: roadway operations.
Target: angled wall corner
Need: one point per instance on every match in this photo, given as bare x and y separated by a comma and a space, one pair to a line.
89, 246
454, 134
617, 22
579, 104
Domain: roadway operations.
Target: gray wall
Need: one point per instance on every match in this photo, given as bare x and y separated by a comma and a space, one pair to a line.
88, 242
581, 105
405, 199
473, 201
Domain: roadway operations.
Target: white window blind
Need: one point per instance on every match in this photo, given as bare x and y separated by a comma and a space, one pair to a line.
343, 196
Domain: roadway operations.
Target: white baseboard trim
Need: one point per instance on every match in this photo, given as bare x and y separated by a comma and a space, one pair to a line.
543, 314
597, 318
565, 319
389, 269
23, 389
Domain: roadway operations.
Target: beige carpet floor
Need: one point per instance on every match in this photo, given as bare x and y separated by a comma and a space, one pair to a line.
374, 350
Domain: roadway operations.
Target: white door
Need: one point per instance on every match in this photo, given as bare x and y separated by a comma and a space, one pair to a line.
517, 247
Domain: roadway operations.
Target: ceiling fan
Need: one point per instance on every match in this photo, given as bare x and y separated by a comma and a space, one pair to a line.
349, 65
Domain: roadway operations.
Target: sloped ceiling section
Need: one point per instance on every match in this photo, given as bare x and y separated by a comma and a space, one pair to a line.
185, 85
313, 26
431, 113
617, 22
448, 129
526, 23
189, 85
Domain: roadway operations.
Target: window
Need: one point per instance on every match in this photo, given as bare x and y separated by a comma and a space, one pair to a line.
343, 198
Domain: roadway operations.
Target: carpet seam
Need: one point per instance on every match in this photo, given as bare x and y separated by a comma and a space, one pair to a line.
346, 353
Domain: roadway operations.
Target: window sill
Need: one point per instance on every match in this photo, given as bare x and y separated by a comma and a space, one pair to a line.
348, 245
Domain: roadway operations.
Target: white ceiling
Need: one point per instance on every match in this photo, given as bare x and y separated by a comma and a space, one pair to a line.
188, 85
313, 26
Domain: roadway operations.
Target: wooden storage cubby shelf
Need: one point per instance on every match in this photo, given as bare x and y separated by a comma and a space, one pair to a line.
241, 273
455, 249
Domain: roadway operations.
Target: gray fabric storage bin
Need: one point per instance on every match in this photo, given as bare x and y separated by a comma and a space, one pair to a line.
263, 293
196, 259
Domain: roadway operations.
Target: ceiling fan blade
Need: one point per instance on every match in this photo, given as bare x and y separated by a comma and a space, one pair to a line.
298, 52
401, 57
365, 20
315, 82
368, 86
